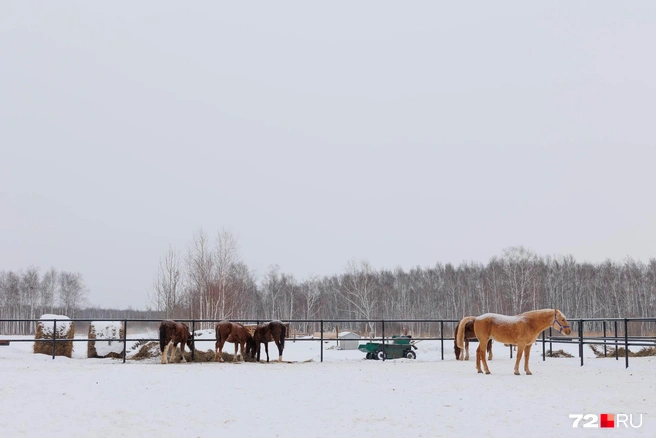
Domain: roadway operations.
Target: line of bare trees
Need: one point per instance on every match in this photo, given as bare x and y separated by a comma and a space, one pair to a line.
28, 294
211, 281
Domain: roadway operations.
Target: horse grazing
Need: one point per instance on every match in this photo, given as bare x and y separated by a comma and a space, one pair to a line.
465, 331
172, 333
521, 330
267, 332
235, 333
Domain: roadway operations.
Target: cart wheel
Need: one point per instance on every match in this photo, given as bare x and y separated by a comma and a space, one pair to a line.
410, 354
370, 355
381, 355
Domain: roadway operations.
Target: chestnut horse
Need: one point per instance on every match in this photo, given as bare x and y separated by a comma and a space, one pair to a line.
271, 331
465, 335
521, 330
235, 333
172, 333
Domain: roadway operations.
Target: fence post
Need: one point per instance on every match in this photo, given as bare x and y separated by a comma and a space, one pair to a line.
626, 341
550, 343
442, 337
321, 340
581, 340
193, 346
617, 353
510, 346
544, 353
383, 329
54, 337
125, 337
605, 352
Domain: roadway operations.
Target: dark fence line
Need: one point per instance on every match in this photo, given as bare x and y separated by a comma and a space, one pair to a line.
619, 338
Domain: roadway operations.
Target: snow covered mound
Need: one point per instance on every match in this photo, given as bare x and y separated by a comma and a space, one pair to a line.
103, 339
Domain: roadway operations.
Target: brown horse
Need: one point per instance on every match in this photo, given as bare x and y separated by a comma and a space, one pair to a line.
465, 335
172, 333
521, 330
271, 331
235, 333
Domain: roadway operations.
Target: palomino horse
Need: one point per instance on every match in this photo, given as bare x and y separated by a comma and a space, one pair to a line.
465, 335
172, 333
236, 333
521, 330
271, 331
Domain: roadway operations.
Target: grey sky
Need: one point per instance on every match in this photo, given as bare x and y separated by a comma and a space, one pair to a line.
401, 133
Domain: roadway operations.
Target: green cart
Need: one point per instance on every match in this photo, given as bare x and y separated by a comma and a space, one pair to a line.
401, 346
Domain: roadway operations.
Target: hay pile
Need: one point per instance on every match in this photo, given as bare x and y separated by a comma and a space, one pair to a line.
558, 353
44, 332
621, 352
147, 350
110, 330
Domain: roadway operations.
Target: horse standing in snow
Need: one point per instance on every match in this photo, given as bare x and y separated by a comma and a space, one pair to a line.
172, 333
235, 333
521, 330
271, 331
466, 329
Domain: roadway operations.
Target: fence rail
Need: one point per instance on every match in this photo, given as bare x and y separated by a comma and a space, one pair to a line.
619, 338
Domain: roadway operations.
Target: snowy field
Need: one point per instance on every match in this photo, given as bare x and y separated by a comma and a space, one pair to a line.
345, 396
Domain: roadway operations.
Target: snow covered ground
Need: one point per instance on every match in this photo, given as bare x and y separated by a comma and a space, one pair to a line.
345, 396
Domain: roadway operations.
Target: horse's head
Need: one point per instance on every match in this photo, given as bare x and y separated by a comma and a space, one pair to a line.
560, 323
190, 340
251, 347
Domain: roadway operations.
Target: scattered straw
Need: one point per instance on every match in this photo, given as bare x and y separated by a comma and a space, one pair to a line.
621, 352
559, 353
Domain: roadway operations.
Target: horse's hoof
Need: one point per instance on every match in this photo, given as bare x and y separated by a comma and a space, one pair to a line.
517, 373
528, 373
480, 372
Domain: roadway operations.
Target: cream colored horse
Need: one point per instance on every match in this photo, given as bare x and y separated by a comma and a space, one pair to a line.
521, 330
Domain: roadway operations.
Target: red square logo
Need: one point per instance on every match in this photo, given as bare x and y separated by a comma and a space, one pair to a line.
607, 420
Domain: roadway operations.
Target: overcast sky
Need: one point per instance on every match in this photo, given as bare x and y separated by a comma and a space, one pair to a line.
402, 133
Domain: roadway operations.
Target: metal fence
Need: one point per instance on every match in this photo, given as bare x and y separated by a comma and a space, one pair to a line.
615, 332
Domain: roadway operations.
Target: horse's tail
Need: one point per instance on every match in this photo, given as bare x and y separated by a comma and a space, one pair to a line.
162, 337
456, 349
283, 335
460, 338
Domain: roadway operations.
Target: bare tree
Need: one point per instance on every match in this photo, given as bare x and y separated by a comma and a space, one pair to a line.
72, 292
30, 290
226, 259
360, 290
200, 272
47, 290
168, 290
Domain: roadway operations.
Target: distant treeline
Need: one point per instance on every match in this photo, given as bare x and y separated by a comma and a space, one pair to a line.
210, 281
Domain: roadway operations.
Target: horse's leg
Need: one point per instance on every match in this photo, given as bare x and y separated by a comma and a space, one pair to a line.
480, 351
527, 354
220, 351
279, 345
242, 345
466, 356
182, 346
234, 358
520, 351
266, 348
169, 356
478, 360
165, 353
489, 349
